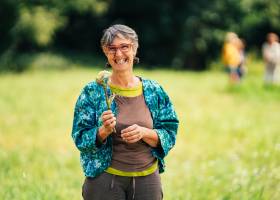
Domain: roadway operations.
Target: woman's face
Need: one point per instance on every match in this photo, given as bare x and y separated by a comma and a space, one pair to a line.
272, 38
120, 54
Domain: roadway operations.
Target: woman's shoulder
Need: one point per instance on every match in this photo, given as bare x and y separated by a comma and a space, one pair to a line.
93, 85
150, 83
152, 86
91, 89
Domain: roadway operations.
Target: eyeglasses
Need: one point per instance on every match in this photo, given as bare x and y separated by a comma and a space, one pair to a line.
111, 49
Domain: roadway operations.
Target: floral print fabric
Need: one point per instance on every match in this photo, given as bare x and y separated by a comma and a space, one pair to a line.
89, 107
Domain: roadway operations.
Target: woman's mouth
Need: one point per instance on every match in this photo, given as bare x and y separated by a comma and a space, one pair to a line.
121, 61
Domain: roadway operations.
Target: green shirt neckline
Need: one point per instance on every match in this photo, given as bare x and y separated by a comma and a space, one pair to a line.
127, 92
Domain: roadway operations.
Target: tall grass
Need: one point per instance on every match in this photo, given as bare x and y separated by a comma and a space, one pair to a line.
228, 145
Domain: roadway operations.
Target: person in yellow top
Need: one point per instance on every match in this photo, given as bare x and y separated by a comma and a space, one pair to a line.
231, 56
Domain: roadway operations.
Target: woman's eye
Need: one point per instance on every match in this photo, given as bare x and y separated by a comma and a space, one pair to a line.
124, 47
112, 49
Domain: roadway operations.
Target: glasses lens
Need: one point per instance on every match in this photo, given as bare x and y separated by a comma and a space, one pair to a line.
123, 48
112, 49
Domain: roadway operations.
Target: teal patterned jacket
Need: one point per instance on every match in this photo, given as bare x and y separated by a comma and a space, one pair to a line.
89, 107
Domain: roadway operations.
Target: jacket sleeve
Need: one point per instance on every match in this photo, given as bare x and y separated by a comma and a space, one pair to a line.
166, 123
85, 124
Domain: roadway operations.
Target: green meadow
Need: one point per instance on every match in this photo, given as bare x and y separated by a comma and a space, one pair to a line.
228, 144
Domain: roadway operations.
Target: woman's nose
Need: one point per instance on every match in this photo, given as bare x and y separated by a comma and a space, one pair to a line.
118, 52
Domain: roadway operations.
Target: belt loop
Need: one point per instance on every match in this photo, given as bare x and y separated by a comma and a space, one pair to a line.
112, 182
133, 188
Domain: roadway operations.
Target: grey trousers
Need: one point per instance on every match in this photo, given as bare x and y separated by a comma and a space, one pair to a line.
112, 187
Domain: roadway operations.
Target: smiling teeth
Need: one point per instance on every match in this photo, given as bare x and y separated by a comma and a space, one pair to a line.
120, 62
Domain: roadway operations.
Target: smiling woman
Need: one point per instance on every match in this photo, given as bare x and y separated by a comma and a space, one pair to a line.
120, 54
123, 149
120, 44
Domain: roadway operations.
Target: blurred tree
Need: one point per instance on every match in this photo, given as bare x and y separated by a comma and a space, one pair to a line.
38, 21
33, 24
260, 18
203, 27
8, 17
189, 34
181, 33
184, 34
37, 25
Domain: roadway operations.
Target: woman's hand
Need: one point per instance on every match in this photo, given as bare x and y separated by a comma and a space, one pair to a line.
109, 123
133, 133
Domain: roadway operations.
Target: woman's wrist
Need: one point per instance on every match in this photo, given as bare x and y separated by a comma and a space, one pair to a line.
103, 133
150, 136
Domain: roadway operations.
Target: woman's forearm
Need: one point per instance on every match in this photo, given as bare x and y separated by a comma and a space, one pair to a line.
150, 136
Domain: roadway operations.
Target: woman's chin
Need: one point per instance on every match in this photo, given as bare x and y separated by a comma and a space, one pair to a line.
122, 67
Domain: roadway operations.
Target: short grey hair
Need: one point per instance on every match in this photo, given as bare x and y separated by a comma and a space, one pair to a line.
113, 31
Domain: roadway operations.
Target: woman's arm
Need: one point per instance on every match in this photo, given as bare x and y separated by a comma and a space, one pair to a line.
165, 122
85, 125
150, 136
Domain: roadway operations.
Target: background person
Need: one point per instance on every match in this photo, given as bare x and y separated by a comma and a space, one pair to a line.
271, 56
231, 56
241, 69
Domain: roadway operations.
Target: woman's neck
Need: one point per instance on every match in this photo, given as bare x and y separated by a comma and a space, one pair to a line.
124, 79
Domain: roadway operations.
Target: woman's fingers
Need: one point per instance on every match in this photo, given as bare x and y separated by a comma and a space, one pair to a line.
107, 112
133, 139
107, 115
129, 129
113, 124
132, 134
109, 121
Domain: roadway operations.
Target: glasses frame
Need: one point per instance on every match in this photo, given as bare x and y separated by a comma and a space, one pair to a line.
115, 48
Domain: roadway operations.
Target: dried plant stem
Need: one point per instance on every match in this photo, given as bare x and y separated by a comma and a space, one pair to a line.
107, 102
106, 96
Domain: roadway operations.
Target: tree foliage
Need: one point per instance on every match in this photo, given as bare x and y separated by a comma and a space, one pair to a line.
34, 24
180, 33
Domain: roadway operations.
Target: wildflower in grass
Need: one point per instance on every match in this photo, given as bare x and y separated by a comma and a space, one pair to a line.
256, 172
266, 154
277, 147
255, 154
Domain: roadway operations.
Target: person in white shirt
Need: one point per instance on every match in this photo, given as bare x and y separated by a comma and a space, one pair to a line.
271, 56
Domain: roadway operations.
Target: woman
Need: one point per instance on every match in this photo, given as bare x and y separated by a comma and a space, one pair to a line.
123, 149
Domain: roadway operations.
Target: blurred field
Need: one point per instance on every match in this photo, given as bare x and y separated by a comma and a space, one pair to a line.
228, 145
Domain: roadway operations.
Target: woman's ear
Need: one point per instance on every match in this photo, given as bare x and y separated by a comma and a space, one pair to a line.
104, 50
135, 60
107, 65
134, 50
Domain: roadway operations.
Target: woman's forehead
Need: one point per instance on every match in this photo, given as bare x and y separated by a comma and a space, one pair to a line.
119, 39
